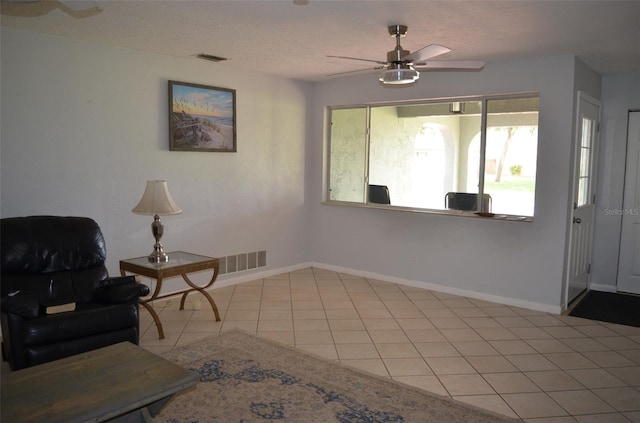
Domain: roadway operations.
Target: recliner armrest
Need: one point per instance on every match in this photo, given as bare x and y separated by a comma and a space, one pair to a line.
120, 289
116, 280
24, 305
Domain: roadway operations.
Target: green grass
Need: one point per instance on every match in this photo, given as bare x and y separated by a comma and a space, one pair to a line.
510, 184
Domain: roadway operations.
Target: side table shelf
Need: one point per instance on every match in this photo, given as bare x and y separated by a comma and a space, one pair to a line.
180, 264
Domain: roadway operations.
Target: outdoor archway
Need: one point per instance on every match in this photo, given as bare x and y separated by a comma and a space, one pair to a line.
434, 154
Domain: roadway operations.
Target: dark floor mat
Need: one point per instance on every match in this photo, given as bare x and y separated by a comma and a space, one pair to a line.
609, 307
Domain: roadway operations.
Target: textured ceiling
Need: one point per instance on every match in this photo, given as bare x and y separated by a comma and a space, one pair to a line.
282, 38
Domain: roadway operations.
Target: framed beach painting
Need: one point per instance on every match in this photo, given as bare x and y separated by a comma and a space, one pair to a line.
201, 118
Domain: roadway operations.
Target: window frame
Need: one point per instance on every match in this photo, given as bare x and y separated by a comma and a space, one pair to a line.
484, 99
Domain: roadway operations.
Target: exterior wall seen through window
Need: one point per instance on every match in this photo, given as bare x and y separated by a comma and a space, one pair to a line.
438, 156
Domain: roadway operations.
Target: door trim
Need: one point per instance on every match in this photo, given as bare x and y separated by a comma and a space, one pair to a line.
580, 96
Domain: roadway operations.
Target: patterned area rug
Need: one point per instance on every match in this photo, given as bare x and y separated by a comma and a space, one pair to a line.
245, 378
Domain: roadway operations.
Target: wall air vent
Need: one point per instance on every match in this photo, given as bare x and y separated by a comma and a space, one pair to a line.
242, 261
210, 57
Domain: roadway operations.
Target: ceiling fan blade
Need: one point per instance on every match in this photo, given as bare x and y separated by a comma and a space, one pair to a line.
451, 64
26, 8
79, 8
78, 5
30, 8
357, 58
355, 72
425, 53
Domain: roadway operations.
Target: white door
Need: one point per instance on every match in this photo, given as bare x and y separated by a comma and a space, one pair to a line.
629, 262
580, 246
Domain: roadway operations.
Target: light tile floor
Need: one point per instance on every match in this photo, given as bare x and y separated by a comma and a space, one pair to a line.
521, 363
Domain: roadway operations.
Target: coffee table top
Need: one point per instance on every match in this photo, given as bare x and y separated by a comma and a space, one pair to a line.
94, 386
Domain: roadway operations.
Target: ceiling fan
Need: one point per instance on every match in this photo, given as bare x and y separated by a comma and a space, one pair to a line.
401, 66
30, 8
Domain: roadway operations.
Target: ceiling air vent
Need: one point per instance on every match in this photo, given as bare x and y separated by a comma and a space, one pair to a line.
210, 57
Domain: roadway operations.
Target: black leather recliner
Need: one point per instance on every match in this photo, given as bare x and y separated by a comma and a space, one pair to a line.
50, 262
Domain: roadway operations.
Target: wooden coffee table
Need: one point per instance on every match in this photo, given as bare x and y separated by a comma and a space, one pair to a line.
120, 382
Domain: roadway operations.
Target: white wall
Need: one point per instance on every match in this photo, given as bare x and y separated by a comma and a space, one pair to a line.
620, 93
84, 126
515, 262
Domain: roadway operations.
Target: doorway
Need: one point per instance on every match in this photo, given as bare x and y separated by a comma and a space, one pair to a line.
583, 211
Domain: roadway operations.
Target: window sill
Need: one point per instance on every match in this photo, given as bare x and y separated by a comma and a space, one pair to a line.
443, 212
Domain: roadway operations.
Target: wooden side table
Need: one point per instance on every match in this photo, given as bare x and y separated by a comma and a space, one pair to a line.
180, 264
118, 383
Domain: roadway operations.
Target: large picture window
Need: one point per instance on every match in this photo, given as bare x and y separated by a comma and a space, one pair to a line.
458, 155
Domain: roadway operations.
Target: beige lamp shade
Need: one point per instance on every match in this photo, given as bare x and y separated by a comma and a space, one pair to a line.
156, 200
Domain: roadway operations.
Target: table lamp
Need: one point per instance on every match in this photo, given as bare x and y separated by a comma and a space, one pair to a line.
157, 201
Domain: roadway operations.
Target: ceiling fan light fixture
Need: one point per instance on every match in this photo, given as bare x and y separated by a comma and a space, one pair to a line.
399, 74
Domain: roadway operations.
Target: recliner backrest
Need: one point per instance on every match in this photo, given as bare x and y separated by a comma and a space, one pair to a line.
57, 259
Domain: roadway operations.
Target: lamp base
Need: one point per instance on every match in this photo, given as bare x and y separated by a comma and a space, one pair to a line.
158, 257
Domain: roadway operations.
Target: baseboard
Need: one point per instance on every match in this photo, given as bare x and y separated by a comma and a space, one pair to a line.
237, 279
601, 287
176, 285
547, 308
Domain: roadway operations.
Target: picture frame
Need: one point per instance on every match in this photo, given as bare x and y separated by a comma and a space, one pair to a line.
201, 118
